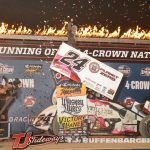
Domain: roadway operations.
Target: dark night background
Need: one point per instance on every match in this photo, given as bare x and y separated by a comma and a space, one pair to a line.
109, 13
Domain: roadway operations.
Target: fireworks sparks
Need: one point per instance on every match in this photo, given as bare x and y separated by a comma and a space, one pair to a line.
94, 18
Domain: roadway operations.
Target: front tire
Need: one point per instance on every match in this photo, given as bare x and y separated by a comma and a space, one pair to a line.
144, 127
55, 126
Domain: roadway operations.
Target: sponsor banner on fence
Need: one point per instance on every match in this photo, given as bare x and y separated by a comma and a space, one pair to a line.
42, 51
6, 69
33, 68
82, 68
23, 140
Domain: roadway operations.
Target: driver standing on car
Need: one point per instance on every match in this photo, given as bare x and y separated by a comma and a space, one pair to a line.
72, 30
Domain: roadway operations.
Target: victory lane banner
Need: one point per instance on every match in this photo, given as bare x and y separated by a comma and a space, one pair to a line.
80, 67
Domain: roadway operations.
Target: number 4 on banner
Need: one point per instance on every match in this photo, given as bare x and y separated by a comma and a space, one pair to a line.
80, 67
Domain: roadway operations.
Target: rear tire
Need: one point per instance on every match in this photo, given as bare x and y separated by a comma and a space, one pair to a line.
144, 127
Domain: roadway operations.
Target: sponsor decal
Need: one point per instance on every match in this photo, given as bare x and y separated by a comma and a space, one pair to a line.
98, 87
146, 107
59, 77
29, 101
72, 106
94, 67
6, 69
33, 68
125, 70
108, 74
71, 122
145, 71
111, 91
68, 106
98, 108
99, 111
104, 89
70, 89
23, 140
89, 82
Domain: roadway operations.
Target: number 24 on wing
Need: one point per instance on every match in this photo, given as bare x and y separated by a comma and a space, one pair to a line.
80, 67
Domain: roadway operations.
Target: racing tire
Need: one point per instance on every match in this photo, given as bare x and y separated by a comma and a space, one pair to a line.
144, 127
55, 126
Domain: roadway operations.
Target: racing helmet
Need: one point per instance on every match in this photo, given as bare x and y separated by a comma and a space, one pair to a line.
128, 102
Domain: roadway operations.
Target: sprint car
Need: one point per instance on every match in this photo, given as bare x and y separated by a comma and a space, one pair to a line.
104, 117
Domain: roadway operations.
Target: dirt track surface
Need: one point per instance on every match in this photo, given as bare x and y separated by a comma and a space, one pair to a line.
86, 146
